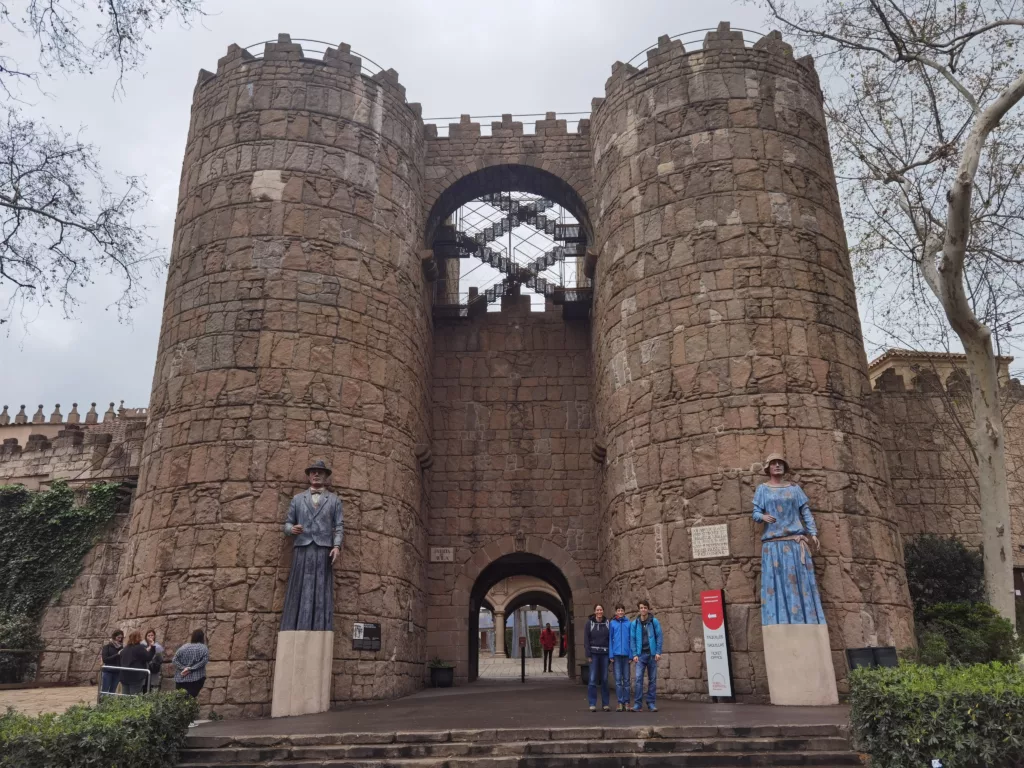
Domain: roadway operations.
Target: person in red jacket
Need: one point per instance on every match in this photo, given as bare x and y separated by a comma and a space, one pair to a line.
547, 642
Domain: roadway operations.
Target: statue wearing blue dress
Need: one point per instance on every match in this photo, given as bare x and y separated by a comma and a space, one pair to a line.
789, 591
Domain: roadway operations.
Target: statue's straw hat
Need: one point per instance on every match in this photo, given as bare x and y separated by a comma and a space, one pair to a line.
775, 457
319, 464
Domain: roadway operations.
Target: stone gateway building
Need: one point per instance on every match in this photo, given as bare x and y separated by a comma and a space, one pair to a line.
305, 318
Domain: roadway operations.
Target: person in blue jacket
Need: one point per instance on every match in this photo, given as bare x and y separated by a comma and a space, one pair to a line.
618, 647
645, 645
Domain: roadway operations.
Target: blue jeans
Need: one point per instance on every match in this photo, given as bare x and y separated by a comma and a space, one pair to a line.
598, 676
621, 679
646, 662
109, 684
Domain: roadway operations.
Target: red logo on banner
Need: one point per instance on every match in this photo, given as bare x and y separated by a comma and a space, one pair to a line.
711, 608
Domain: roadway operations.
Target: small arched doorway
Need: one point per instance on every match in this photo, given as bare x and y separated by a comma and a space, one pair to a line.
521, 564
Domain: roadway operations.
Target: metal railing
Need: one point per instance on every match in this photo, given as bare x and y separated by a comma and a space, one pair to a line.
146, 686
695, 38
319, 48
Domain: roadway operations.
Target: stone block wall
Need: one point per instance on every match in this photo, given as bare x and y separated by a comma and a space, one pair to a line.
725, 328
295, 328
78, 622
512, 444
933, 482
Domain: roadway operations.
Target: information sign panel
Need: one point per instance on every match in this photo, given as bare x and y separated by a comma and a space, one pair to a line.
365, 636
710, 541
712, 608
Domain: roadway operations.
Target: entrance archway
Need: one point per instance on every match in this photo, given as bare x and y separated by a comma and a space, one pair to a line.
521, 564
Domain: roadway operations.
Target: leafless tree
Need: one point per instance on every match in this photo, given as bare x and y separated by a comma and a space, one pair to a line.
61, 218
921, 98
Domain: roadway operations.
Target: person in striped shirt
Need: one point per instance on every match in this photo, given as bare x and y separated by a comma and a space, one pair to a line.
190, 664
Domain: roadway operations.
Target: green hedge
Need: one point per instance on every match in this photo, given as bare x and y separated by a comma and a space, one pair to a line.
122, 732
967, 716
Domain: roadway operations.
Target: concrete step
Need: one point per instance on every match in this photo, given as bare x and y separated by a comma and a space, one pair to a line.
624, 760
591, 747
235, 755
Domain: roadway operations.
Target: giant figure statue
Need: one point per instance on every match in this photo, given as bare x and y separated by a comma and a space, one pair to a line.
305, 643
315, 520
796, 644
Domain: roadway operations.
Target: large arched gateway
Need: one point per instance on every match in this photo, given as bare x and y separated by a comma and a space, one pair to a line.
302, 322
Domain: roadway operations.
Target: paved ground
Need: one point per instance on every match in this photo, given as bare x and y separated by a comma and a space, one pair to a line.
503, 668
536, 704
35, 701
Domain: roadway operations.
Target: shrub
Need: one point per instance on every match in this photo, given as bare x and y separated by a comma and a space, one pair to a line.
965, 633
122, 732
942, 570
968, 717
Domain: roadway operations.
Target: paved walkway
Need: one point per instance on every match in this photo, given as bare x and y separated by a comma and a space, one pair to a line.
533, 704
35, 701
504, 668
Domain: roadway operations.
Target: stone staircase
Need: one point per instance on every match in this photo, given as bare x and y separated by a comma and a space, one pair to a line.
690, 746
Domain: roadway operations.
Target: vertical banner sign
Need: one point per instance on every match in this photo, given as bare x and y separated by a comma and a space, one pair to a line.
712, 610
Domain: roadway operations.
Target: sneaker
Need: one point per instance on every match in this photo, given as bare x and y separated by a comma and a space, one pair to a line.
652, 708
637, 709
606, 708
620, 708
593, 709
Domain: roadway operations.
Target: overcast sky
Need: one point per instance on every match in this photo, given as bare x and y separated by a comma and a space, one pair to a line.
474, 57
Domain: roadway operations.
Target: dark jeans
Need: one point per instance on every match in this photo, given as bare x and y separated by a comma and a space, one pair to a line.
191, 688
109, 682
598, 677
547, 659
647, 662
622, 681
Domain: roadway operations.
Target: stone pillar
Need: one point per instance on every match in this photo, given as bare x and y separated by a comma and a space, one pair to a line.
296, 327
499, 633
726, 327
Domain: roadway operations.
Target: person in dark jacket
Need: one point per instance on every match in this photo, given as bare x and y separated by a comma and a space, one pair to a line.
618, 647
136, 655
110, 656
595, 645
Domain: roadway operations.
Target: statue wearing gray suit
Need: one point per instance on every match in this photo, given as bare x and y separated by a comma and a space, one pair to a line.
315, 520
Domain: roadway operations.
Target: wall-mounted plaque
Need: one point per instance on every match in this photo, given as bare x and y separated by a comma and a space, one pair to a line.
710, 541
365, 636
442, 554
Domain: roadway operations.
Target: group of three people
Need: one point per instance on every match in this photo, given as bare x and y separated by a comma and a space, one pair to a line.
136, 666
619, 641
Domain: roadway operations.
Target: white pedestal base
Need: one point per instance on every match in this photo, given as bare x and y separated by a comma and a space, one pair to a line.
302, 673
799, 662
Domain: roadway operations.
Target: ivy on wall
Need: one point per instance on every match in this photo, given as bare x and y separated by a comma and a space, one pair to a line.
44, 536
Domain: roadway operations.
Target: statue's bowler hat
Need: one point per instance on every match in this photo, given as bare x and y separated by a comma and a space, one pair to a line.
319, 464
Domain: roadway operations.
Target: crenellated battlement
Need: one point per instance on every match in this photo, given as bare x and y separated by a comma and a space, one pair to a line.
721, 47
284, 50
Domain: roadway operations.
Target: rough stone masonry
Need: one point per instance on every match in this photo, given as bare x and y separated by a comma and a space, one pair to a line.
298, 325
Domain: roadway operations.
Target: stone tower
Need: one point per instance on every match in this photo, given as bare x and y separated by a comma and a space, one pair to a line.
295, 327
725, 327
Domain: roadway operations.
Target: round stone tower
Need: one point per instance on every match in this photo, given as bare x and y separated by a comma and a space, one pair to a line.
725, 328
295, 327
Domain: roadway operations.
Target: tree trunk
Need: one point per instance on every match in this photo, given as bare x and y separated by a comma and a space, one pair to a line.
990, 447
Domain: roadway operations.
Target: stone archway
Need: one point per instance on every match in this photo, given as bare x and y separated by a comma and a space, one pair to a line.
527, 555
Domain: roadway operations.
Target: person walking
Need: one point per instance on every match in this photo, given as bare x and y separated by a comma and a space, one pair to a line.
110, 656
158, 659
595, 645
137, 656
547, 644
190, 664
645, 645
618, 646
